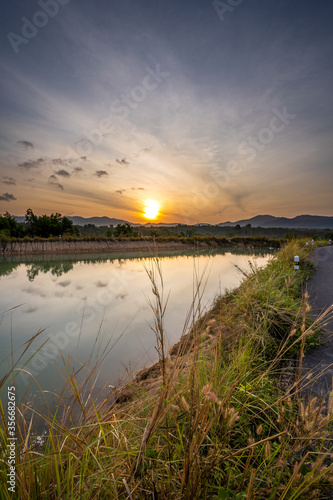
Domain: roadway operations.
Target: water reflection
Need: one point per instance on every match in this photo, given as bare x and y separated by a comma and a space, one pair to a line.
86, 304
58, 265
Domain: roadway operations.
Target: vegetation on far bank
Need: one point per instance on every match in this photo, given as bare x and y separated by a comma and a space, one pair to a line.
55, 226
219, 417
43, 226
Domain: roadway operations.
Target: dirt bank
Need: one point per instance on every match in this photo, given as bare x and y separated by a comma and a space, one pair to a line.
66, 246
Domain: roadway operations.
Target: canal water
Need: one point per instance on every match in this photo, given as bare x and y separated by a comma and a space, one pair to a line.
92, 312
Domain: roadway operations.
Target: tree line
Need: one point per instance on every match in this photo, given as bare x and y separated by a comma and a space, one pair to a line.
54, 225
43, 226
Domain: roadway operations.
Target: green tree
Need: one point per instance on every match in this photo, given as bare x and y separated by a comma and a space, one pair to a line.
10, 227
109, 232
124, 230
46, 226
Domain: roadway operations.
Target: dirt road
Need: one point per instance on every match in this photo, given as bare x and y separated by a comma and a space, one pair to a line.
319, 362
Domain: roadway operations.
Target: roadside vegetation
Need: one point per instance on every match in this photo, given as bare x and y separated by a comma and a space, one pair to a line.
221, 416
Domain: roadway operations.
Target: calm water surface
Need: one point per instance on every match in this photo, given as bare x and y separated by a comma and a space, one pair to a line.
90, 306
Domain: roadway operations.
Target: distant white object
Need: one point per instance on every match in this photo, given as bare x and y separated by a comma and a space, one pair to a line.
312, 242
307, 243
296, 262
330, 241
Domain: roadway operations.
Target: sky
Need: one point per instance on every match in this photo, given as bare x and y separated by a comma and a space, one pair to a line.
208, 110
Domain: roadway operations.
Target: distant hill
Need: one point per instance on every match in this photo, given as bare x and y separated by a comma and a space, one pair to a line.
299, 222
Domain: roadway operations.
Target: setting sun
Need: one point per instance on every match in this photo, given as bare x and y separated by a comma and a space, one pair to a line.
151, 209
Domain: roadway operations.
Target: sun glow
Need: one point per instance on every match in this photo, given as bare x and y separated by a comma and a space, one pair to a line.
152, 208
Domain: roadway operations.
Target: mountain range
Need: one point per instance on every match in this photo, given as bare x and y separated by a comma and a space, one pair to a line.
299, 222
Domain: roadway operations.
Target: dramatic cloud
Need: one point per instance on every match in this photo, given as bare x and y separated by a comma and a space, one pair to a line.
32, 163
9, 181
63, 173
101, 173
216, 120
7, 197
123, 162
26, 144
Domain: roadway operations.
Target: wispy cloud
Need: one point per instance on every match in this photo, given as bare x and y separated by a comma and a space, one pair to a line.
59, 161
63, 173
31, 163
64, 284
26, 144
120, 191
53, 180
7, 197
143, 151
102, 284
30, 309
123, 162
10, 181
101, 173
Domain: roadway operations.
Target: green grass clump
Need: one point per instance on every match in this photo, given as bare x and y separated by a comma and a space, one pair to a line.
211, 420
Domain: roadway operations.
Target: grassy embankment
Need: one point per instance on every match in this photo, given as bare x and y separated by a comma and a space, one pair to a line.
215, 419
